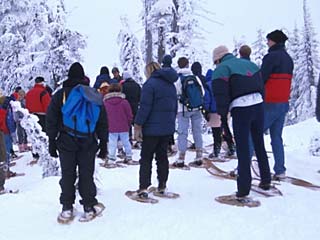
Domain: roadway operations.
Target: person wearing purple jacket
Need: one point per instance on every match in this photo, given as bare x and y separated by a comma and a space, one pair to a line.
119, 117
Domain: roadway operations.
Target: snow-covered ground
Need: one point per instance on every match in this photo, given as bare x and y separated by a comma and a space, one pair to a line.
32, 213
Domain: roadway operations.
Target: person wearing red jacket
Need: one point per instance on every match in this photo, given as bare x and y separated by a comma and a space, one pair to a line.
276, 70
37, 101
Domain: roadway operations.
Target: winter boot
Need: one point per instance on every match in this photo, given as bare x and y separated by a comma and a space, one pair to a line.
21, 148
127, 159
91, 212
179, 163
143, 193
232, 149
26, 147
66, 216
198, 160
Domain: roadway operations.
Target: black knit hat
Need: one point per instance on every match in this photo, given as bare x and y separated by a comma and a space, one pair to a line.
277, 36
167, 61
76, 71
39, 79
196, 68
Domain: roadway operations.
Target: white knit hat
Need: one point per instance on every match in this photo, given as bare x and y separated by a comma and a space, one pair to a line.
126, 75
219, 52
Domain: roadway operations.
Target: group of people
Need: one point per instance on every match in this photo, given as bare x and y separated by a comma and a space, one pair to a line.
36, 100
257, 99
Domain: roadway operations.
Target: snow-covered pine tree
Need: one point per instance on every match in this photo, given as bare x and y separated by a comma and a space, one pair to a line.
259, 47
178, 32
33, 32
307, 69
130, 54
38, 140
293, 47
14, 56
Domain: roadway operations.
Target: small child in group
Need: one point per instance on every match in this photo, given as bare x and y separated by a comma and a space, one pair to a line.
119, 118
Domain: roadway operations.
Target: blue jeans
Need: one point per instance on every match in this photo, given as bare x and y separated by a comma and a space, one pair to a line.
183, 127
274, 118
113, 143
8, 142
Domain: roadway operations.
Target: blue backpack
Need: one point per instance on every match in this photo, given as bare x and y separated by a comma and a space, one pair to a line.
81, 111
191, 96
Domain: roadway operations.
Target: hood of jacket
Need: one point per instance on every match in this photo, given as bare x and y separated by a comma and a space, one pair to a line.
167, 73
114, 98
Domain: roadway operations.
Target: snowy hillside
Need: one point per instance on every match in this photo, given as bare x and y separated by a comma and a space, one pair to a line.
32, 213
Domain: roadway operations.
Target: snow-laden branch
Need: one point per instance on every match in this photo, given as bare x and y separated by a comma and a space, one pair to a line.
38, 140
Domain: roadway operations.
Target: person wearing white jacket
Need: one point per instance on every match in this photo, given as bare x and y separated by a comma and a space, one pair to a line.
184, 117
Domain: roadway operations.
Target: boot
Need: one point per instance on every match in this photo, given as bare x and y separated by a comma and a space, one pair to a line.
180, 161
198, 160
232, 149
21, 148
26, 147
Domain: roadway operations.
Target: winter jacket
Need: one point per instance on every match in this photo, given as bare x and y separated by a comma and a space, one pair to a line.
54, 123
209, 100
100, 79
277, 70
3, 124
132, 90
318, 101
118, 111
234, 78
158, 104
37, 99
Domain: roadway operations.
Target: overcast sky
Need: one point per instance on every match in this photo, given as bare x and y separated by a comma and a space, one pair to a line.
100, 22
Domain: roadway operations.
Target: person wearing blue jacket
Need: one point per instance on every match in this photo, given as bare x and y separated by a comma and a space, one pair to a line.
155, 123
104, 76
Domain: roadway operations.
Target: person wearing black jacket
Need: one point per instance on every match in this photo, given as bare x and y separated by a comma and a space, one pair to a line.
76, 151
132, 90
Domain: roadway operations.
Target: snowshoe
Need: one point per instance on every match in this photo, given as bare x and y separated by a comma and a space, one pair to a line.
9, 191
238, 201
270, 191
179, 165
66, 216
111, 164
141, 196
129, 161
93, 212
10, 174
163, 193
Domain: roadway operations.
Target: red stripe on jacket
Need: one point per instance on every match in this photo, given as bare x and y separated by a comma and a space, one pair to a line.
277, 88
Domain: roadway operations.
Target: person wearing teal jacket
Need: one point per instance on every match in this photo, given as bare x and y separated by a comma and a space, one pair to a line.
238, 87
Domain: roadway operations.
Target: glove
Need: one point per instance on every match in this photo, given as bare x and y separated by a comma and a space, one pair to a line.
138, 133
103, 150
53, 148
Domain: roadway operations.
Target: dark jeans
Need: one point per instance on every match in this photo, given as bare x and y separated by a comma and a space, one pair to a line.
246, 121
73, 153
154, 145
42, 121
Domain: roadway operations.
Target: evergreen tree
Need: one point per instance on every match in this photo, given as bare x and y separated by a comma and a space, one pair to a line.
306, 70
177, 31
130, 55
34, 41
294, 50
259, 48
